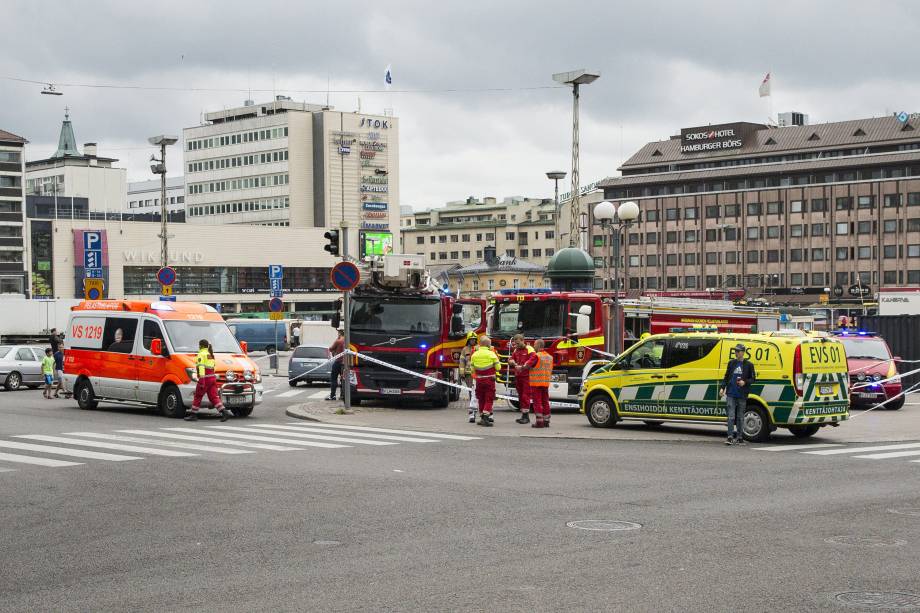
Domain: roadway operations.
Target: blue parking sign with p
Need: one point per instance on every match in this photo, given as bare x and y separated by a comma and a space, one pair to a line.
92, 240
276, 271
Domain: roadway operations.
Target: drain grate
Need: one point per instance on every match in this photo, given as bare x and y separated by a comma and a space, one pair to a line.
864, 541
603, 525
912, 511
892, 601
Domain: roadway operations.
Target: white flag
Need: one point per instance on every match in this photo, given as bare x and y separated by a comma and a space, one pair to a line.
765, 86
388, 77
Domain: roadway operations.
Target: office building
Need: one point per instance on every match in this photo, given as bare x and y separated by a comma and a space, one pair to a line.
286, 163
144, 197
801, 214
70, 173
12, 214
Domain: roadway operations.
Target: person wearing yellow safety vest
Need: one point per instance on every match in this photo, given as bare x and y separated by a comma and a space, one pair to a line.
485, 366
207, 382
540, 376
466, 371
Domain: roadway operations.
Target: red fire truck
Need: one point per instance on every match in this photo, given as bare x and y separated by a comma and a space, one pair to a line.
575, 324
397, 317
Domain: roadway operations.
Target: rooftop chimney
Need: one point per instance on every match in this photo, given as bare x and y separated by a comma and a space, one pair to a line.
89, 149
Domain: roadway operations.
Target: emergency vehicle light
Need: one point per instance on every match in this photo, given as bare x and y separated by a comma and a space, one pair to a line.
161, 306
535, 290
423, 346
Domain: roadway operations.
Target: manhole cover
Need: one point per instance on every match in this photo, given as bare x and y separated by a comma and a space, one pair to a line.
327, 542
864, 541
912, 511
603, 525
880, 600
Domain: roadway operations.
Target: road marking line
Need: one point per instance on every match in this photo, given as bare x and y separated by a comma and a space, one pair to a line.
885, 456
290, 393
319, 437
77, 453
7, 470
267, 439
386, 437
210, 439
27, 459
865, 449
797, 447
137, 439
319, 395
117, 446
455, 437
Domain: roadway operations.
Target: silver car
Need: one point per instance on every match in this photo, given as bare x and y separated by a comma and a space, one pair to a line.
21, 365
307, 358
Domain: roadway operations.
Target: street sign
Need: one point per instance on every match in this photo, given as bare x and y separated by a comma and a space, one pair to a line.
92, 289
276, 289
166, 290
345, 276
166, 275
93, 273
168, 298
275, 305
276, 316
92, 258
275, 271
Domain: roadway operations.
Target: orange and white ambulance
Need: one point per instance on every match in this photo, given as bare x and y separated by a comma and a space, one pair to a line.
140, 351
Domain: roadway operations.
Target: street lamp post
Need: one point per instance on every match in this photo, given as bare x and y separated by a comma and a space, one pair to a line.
575, 78
556, 176
613, 221
159, 168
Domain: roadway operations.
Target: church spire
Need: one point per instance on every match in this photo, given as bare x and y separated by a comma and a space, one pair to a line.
67, 143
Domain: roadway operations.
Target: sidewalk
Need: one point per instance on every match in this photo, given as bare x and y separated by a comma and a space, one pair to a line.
871, 426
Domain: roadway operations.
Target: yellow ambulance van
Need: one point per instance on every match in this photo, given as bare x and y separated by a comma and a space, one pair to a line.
801, 383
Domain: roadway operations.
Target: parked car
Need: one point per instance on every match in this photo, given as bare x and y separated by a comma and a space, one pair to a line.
308, 357
869, 360
263, 334
21, 365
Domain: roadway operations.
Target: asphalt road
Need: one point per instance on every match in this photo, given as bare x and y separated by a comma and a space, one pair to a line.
472, 524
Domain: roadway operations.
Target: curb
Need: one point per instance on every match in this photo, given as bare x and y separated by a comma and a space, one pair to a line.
298, 414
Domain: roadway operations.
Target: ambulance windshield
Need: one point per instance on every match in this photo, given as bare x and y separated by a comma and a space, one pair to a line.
532, 318
185, 336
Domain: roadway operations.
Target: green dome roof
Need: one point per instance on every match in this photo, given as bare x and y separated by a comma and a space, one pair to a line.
570, 263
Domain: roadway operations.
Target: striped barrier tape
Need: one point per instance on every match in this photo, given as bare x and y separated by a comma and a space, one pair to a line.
888, 380
332, 359
911, 390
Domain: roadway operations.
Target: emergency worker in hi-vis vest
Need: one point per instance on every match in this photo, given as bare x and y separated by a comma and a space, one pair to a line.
520, 363
540, 376
485, 366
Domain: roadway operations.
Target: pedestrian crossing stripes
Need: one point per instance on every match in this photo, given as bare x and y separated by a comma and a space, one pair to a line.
311, 394
861, 451
70, 449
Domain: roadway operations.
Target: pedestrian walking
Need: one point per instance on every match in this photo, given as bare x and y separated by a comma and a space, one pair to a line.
337, 347
48, 372
540, 376
295, 335
522, 359
466, 373
207, 382
736, 385
485, 366
58, 372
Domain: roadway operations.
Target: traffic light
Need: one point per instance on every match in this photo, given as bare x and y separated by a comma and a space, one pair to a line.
333, 237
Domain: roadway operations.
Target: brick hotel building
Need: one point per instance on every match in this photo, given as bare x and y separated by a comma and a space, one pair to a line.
791, 212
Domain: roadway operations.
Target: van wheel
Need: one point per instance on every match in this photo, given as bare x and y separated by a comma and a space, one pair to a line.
13, 381
755, 424
86, 397
293, 383
600, 411
242, 411
170, 402
804, 431
896, 405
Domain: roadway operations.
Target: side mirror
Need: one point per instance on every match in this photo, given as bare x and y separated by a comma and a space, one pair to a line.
582, 324
244, 346
156, 346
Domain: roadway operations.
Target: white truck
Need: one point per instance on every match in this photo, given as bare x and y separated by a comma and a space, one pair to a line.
23, 320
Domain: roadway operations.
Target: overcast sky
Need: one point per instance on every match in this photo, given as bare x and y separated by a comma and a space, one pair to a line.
664, 65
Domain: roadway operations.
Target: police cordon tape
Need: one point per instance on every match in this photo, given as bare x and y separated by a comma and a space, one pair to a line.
888, 380
911, 390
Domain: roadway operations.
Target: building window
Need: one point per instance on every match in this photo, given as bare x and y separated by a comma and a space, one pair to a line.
550, 252
465, 238
509, 236
442, 255
712, 235
890, 277
864, 227
774, 208
817, 254
671, 283
731, 234
818, 205
712, 212
890, 251
691, 213
753, 256
842, 253
845, 203
795, 255
671, 259
690, 282
773, 232
753, 233
537, 253
454, 255
817, 229
913, 199
490, 236
795, 206
866, 202
671, 237
635, 260
731, 257
913, 251
672, 214
913, 225
633, 238
754, 208
651, 282
431, 239
731, 210
479, 254
817, 278
651, 259
892, 200
524, 253
796, 230
479, 237
690, 236
796, 279
454, 238
465, 254
842, 229
690, 259
712, 257
419, 240
864, 253
890, 226
491, 284
651, 215
651, 238
913, 277
550, 234
773, 255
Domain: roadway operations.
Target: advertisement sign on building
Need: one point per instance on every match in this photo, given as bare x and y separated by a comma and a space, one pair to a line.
715, 138
899, 301
375, 243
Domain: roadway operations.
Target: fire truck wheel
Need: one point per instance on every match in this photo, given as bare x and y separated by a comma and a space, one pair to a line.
804, 431
442, 403
896, 405
86, 397
242, 411
170, 403
600, 411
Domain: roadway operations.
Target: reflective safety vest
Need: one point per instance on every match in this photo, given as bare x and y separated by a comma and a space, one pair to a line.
485, 363
542, 373
204, 364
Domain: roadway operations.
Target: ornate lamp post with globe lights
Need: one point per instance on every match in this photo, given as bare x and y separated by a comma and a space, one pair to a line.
613, 221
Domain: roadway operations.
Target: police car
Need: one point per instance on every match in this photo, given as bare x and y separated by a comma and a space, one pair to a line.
801, 383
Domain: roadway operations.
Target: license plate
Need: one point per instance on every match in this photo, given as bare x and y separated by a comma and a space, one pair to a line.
235, 401
825, 390
865, 395
391, 391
